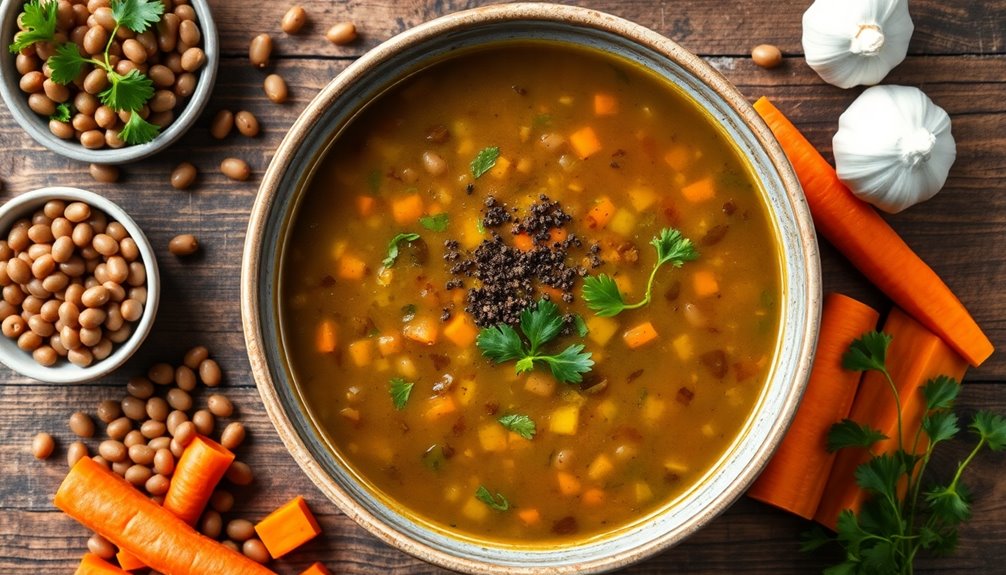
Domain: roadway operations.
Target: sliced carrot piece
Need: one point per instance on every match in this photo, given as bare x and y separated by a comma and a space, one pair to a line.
91, 564
361, 352
201, 466
352, 267
592, 497
421, 330
440, 406
389, 344
605, 104
287, 528
407, 209
679, 157
529, 516
640, 335
705, 284
461, 330
585, 142
325, 340
700, 191
365, 205
568, 483
557, 235
601, 213
523, 242
795, 478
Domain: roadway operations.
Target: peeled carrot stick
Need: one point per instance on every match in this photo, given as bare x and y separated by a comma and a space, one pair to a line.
199, 469
91, 564
104, 503
859, 232
915, 356
795, 477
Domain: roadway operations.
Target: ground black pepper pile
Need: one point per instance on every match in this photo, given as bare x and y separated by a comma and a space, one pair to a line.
508, 278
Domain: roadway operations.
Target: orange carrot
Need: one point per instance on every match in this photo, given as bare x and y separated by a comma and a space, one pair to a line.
91, 564
699, 190
407, 209
640, 335
529, 516
461, 330
316, 569
523, 242
859, 232
352, 267
601, 213
585, 142
365, 205
795, 477
421, 330
605, 104
128, 562
104, 503
199, 469
915, 356
287, 528
325, 339
679, 157
705, 284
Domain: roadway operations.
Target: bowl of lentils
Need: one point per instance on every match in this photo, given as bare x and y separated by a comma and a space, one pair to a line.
107, 81
80, 285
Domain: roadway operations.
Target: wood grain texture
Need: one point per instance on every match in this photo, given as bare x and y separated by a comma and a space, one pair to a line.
957, 56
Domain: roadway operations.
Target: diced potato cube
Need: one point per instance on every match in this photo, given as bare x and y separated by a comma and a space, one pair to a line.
339, 249
439, 407
623, 222
389, 344
466, 391
501, 169
643, 492
653, 409
361, 352
683, 346
606, 410
405, 367
540, 383
492, 437
475, 510
382, 364
352, 267
642, 198
466, 147
601, 329
568, 483
525, 165
600, 468
452, 493
624, 283
524, 133
565, 420
708, 430
421, 330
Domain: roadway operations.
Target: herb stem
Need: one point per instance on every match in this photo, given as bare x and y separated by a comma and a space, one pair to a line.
108, 47
897, 402
965, 463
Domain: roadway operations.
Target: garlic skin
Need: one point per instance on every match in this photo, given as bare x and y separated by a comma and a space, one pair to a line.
856, 42
894, 148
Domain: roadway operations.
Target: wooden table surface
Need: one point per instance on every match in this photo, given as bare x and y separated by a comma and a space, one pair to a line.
957, 56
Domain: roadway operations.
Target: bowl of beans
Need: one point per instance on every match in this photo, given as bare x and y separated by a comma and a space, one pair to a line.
80, 285
76, 73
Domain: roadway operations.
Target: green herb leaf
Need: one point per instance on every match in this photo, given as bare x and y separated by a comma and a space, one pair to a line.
570, 365
138, 131
400, 391
67, 63
941, 392
849, 433
991, 427
137, 15
389, 260
879, 558
951, 503
601, 293
497, 502
435, 223
541, 324
867, 353
580, 325
484, 161
520, 424
940, 426
129, 92
39, 20
814, 538
500, 343
845, 568
479, 226
880, 475
408, 312
63, 113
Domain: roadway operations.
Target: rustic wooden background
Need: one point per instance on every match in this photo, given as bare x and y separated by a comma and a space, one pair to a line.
957, 56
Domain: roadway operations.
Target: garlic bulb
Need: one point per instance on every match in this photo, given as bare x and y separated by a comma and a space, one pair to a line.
894, 148
854, 42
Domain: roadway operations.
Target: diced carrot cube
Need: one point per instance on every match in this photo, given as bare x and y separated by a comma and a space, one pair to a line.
679, 157
523, 242
325, 338
568, 483
557, 235
389, 344
640, 335
316, 569
501, 168
529, 516
585, 142
699, 191
421, 330
440, 406
461, 330
365, 205
362, 352
287, 528
592, 497
705, 283
600, 214
352, 267
605, 104
407, 209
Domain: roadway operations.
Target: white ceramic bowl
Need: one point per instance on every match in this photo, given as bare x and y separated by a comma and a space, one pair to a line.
64, 371
305, 145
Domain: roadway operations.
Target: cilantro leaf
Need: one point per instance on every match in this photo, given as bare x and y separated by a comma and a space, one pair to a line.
581, 325
389, 260
138, 131
941, 392
39, 20
484, 161
137, 15
479, 226
400, 391
63, 113
991, 427
570, 365
867, 353
880, 475
520, 424
940, 426
66, 64
541, 323
950, 503
814, 538
500, 343
129, 92
435, 223
497, 502
601, 293
880, 558
849, 433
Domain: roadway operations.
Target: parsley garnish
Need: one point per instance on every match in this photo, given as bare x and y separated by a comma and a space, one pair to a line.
63, 113
520, 424
67, 63
540, 324
484, 161
601, 292
497, 502
39, 21
137, 15
900, 518
137, 130
400, 391
435, 223
389, 260
129, 92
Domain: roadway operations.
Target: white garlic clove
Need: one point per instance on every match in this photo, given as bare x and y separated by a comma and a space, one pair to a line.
856, 42
894, 147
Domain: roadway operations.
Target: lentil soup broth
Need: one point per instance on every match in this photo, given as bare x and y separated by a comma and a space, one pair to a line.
595, 157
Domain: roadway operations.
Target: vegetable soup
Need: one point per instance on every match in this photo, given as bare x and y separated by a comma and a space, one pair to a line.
530, 294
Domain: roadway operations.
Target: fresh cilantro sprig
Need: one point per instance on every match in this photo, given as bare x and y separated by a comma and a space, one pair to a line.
900, 518
540, 324
39, 20
400, 391
601, 293
63, 113
436, 222
392, 255
484, 161
520, 424
497, 502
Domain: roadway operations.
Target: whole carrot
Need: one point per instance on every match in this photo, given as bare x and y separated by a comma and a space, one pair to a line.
201, 466
103, 502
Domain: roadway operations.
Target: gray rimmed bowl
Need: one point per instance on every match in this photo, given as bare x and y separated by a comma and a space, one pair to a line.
398, 58
38, 126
